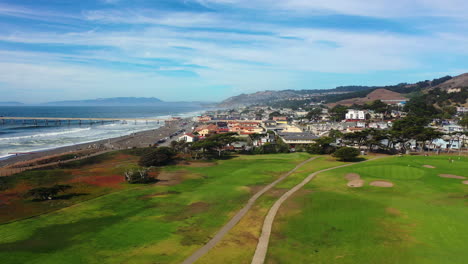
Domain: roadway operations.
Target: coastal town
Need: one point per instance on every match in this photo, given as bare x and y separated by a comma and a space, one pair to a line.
257, 126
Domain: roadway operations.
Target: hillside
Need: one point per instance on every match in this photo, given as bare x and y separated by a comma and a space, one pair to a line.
460, 81
378, 94
344, 94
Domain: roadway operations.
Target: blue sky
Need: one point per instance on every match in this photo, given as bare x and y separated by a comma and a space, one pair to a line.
211, 49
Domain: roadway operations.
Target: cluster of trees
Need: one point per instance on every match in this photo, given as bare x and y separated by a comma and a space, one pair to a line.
436, 103
157, 157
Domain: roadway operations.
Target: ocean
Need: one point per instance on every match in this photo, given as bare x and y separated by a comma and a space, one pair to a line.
19, 136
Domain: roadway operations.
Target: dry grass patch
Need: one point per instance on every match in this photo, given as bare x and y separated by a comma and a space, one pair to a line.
169, 178
429, 166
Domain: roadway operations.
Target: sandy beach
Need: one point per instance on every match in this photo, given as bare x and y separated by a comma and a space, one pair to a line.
139, 139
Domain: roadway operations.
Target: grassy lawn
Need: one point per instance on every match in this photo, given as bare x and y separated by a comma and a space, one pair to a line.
161, 223
239, 244
422, 219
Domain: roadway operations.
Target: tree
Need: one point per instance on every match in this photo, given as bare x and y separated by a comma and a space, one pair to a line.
158, 157
314, 114
138, 176
464, 121
378, 106
274, 114
338, 112
47, 193
346, 154
215, 142
335, 134
321, 146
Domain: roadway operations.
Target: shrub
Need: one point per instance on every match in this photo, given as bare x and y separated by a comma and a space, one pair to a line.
47, 193
138, 176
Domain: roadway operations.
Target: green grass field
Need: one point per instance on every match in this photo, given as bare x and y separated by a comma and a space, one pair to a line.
422, 219
160, 223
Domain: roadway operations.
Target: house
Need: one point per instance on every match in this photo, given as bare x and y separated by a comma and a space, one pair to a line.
301, 113
265, 138
188, 137
462, 110
269, 123
204, 118
353, 114
454, 90
280, 119
354, 129
297, 138
293, 129
379, 125
206, 130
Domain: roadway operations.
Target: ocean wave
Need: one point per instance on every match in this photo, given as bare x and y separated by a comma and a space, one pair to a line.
48, 134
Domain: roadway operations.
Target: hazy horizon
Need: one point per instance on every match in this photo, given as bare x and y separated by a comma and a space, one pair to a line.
209, 50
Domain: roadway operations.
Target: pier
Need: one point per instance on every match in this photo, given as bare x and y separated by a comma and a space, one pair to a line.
76, 120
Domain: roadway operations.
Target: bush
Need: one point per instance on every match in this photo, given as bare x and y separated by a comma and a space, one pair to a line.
139, 176
346, 154
47, 193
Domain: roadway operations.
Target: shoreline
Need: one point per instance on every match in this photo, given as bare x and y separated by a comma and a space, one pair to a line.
138, 139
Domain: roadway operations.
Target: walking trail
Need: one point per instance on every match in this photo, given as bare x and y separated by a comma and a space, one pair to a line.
262, 246
226, 228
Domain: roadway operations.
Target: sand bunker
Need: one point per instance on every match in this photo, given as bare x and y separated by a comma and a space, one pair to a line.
354, 180
451, 176
356, 183
465, 182
385, 184
352, 176
429, 166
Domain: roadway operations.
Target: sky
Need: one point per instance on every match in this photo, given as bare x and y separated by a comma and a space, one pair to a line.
211, 49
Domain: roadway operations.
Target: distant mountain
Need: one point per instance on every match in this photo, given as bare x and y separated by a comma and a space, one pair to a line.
11, 104
352, 93
116, 101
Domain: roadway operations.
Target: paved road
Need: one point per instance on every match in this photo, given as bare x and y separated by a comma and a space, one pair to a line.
262, 246
225, 229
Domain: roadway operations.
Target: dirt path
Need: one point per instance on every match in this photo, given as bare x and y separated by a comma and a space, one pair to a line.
262, 246
226, 228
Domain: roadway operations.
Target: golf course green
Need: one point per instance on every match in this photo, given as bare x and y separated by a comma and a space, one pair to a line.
421, 219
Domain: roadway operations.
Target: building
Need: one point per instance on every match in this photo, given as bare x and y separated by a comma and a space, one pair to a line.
355, 115
462, 110
204, 118
188, 137
298, 138
280, 119
206, 130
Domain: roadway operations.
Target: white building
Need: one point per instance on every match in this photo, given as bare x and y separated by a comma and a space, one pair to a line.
356, 114
462, 110
189, 138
